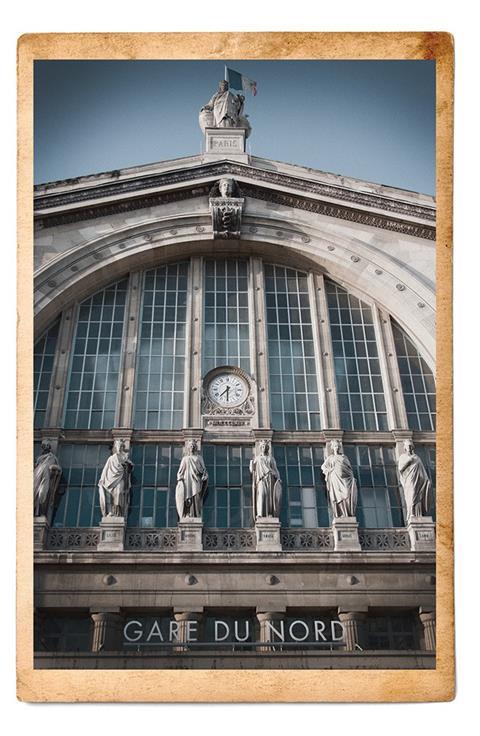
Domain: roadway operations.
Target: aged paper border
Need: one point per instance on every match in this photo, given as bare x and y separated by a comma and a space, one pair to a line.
236, 685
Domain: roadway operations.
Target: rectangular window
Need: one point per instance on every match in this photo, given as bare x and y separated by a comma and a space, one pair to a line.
78, 499
62, 634
92, 390
44, 353
396, 633
293, 379
154, 477
228, 502
160, 374
226, 317
418, 383
304, 502
379, 499
357, 367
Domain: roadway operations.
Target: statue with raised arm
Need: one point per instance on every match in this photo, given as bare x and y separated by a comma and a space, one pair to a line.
415, 481
46, 478
341, 484
192, 482
224, 110
115, 481
266, 483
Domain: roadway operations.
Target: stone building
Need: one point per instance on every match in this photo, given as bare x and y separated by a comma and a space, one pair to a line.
310, 297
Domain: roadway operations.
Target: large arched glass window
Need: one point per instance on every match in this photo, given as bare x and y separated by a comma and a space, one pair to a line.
92, 390
291, 353
418, 383
43, 356
357, 367
160, 377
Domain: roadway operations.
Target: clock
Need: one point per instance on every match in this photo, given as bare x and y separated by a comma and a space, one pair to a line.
227, 389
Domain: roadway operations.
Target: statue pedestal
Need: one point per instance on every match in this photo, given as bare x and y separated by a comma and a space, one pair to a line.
112, 534
345, 534
421, 530
189, 535
267, 529
40, 531
222, 143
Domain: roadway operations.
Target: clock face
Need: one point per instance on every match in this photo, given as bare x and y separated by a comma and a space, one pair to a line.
228, 389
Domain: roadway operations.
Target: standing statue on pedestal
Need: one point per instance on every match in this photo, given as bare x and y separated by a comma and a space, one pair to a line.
115, 481
341, 484
266, 483
415, 481
46, 477
224, 110
192, 483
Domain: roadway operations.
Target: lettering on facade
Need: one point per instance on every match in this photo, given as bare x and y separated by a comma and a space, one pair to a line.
239, 630
222, 144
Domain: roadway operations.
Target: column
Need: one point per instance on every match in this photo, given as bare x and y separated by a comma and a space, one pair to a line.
259, 341
317, 344
129, 351
429, 622
353, 623
391, 366
272, 630
194, 357
107, 628
188, 627
326, 351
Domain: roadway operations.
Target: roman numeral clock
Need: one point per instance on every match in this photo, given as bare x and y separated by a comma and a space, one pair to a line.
228, 398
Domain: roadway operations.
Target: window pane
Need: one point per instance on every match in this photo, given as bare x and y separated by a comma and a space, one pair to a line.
302, 506
418, 382
78, 502
44, 353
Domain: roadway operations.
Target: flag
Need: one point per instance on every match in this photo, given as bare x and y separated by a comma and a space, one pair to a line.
240, 81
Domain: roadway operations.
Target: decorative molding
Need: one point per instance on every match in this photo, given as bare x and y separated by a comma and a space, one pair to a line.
119, 188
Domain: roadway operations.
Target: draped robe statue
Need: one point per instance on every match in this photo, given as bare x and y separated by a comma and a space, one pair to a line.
341, 484
266, 483
224, 110
192, 483
115, 481
46, 478
415, 481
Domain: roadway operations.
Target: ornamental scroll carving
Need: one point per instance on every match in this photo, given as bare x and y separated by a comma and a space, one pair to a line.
226, 206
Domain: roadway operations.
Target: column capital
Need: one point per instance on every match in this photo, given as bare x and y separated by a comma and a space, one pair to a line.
271, 615
426, 615
344, 616
333, 434
182, 615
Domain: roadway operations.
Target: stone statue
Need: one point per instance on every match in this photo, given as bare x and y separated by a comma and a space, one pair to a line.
46, 478
341, 484
226, 205
266, 483
192, 482
415, 481
115, 481
224, 110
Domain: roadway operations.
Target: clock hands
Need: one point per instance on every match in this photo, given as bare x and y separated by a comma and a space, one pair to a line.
225, 392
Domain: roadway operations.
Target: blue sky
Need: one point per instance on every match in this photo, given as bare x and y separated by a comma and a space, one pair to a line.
373, 120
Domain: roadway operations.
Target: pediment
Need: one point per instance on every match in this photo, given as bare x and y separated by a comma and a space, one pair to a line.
295, 187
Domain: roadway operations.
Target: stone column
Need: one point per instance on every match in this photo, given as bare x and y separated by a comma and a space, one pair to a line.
272, 630
319, 351
193, 361
353, 629
258, 342
326, 348
389, 368
188, 631
60, 369
107, 628
429, 622
129, 347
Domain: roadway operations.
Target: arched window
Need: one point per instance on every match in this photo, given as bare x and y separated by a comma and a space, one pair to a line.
44, 354
334, 340
93, 385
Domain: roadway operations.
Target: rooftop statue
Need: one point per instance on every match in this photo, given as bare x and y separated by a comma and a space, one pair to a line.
224, 110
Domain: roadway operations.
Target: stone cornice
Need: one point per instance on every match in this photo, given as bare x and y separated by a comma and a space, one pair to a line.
316, 189
276, 196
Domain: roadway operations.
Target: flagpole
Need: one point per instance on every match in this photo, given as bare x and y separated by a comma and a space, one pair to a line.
225, 77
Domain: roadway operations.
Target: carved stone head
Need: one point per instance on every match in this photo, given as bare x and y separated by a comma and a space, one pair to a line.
191, 447
223, 86
119, 446
46, 448
265, 447
336, 447
409, 447
226, 187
